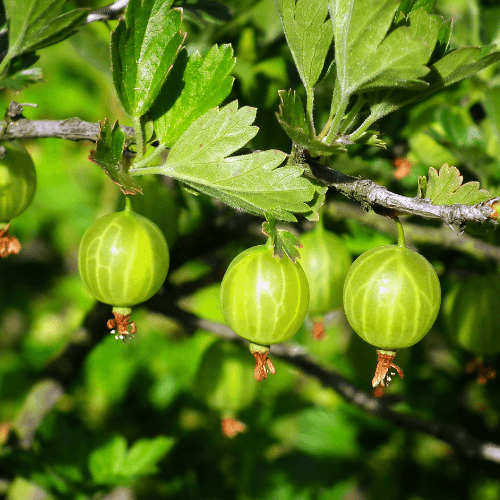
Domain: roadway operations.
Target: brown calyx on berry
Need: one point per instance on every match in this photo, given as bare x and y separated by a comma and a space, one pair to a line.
9, 245
231, 427
319, 330
263, 365
485, 373
384, 364
119, 325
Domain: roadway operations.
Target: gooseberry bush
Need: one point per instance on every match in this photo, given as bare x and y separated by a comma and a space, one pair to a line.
187, 179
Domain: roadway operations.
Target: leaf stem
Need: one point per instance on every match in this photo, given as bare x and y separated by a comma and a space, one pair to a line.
337, 120
364, 127
333, 107
139, 137
350, 118
309, 110
148, 159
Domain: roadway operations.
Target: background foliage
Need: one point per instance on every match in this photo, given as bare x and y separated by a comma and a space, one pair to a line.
127, 420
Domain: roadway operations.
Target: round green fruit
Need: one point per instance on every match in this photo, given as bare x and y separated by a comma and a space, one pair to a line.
17, 188
225, 380
326, 261
158, 204
391, 298
264, 299
123, 261
472, 315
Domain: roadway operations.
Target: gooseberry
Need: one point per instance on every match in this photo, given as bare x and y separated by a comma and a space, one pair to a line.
326, 261
391, 299
264, 300
226, 383
17, 188
471, 318
123, 260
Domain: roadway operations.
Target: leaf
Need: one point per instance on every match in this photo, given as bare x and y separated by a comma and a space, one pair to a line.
446, 188
284, 242
143, 49
309, 36
108, 154
365, 57
292, 118
34, 24
194, 86
106, 462
21, 79
252, 183
145, 454
461, 63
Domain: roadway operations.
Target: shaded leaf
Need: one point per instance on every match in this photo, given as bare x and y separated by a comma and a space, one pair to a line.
252, 183
292, 118
22, 79
309, 35
143, 49
145, 454
365, 57
34, 24
106, 462
195, 85
108, 154
284, 242
446, 188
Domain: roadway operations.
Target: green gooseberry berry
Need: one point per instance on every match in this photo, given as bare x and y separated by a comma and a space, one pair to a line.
472, 318
264, 300
326, 261
17, 189
123, 260
391, 299
225, 382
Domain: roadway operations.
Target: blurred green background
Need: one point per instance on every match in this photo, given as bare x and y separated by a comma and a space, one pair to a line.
96, 418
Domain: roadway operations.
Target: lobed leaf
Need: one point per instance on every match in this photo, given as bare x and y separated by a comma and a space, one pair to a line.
194, 86
108, 154
252, 182
143, 49
34, 24
446, 188
365, 57
309, 36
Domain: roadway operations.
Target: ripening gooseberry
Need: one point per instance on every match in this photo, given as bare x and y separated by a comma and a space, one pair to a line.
391, 299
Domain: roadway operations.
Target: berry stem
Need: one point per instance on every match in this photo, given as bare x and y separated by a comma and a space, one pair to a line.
401, 234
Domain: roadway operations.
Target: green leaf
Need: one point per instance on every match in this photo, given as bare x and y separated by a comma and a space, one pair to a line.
34, 24
461, 63
365, 57
21, 79
446, 188
309, 36
145, 454
292, 118
194, 86
106, 462
284, 242
143, 49
112, 464
252, 183
108, 154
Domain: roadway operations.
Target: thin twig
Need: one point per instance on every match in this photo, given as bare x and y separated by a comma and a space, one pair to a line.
108, 12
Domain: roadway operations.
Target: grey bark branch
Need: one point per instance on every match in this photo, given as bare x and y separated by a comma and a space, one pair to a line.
366, 192
371, 194
454, 435
107, 12
416, 234
73, 129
